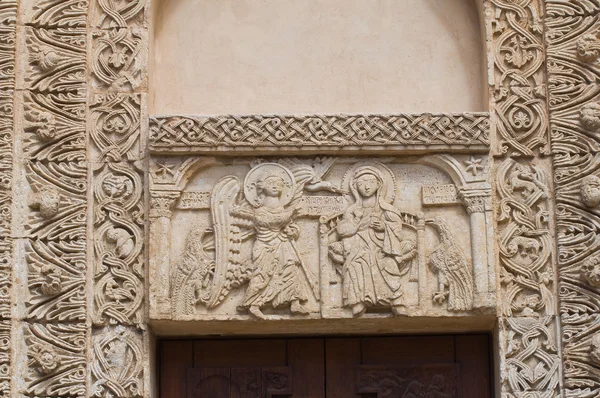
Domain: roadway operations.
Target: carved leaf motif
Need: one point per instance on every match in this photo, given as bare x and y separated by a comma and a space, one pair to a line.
57, 360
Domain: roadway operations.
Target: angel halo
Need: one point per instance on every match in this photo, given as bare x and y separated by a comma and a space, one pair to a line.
270, 179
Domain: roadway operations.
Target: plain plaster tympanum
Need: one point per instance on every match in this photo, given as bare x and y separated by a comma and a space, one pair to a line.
308, 56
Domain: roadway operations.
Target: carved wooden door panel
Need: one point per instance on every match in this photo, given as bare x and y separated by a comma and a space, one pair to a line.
257, 368
408, 367
378, 367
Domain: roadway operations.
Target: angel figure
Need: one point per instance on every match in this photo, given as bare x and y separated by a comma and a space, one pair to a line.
274, 270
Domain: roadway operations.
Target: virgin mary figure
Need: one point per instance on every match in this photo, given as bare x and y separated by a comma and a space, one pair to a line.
374, 253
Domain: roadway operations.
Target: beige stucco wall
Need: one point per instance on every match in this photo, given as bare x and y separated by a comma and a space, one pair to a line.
325, 56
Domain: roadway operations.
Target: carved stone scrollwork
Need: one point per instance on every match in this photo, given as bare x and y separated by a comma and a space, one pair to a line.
116, 127
120, 45
524, 242
517, 35
531, 364
117, 367
572, 62
118, 290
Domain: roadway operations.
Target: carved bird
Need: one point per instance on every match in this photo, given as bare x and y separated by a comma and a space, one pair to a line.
452, 267
310, 176
118, 293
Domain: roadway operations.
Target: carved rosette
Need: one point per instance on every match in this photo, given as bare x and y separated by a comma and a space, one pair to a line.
574, 98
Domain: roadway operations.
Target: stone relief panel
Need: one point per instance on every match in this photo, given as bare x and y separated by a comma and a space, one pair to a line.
320, 237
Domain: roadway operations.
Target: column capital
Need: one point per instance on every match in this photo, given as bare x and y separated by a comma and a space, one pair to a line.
161, 203
476, 200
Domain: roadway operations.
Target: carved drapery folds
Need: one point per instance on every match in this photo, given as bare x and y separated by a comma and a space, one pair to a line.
574, 98
529, 331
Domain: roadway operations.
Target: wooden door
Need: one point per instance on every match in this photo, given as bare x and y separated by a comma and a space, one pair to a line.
369, 367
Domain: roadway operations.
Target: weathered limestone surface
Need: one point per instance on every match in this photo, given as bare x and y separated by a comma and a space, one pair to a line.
117, 224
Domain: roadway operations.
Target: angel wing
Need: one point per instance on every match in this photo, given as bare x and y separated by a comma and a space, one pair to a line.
232, 223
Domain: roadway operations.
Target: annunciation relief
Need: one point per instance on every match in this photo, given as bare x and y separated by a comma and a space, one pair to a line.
320, 237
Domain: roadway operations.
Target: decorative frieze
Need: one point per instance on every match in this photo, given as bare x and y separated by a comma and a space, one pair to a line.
440, 132
118, 84
8, 40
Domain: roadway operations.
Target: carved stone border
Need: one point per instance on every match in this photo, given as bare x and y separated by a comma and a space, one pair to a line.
529, 331
63, 99
573, 55
8, 35
400, 133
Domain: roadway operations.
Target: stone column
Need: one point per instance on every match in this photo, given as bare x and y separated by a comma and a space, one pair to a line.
418, 273
161, 203
476, 201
